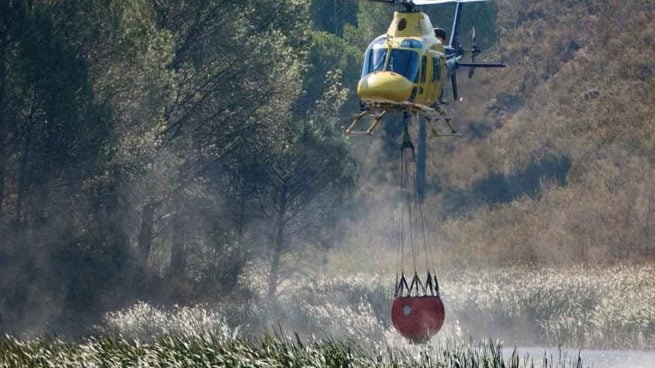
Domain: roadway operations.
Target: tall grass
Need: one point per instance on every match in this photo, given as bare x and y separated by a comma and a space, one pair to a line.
216, 351
344, 322
577, 307
604, 307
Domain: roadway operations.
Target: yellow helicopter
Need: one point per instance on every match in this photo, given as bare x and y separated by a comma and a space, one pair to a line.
406, 69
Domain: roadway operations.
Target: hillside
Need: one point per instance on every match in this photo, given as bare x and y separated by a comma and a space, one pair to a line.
584, 77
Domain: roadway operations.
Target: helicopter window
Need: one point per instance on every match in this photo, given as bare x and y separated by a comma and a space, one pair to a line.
402, 24
424, 67
412, 44
404, 62
436, 69
375, 56
374, 61
379, 55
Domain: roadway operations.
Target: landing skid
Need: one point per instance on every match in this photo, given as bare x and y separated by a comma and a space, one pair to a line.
376, 110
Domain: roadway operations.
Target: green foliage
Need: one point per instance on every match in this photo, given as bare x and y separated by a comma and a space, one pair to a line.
55, 134
329, 53
269, 351
302, 184
130, 117
331, 16
372, 20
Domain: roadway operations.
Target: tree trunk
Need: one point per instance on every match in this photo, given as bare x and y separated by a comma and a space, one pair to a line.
145, 234
3, 124
23, 179
178, 250
278, 243
241, 216
273, 276
2, 189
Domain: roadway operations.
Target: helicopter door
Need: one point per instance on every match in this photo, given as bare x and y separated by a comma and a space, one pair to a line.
423, 88
428, 78
435, 80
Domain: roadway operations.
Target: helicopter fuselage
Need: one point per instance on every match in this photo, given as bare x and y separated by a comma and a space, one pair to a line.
407, 68
407, 64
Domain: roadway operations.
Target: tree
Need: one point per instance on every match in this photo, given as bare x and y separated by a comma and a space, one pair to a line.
303, 182
54, 135
302, 185
329, 53
220, 105
333, 15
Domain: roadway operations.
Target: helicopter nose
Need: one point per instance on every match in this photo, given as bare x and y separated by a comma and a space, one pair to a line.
385, 85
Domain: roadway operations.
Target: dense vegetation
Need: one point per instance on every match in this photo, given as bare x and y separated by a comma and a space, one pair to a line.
183, 152
577, 308
217, 351
143, 157
344, 322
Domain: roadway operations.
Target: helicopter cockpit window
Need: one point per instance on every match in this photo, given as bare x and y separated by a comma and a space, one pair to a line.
411, 44
375, 56
374, 61
404, 62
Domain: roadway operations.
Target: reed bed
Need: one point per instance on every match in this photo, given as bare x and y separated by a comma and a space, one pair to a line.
342, 321
606, 308
217, 351
602, 307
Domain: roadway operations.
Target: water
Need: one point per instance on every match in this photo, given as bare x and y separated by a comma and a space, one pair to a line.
591, 358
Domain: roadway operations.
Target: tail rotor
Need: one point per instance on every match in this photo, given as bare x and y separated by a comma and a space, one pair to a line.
475, 50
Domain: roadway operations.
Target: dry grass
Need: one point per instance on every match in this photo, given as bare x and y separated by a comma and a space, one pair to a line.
578, 307
343, 322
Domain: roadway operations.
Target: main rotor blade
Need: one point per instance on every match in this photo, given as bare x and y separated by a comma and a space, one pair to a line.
454, 33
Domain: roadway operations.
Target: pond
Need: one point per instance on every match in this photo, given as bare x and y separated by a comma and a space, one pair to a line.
590, 357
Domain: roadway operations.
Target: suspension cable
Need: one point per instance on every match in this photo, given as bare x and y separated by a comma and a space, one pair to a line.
413, 226
410, 215
401, 233
429, 257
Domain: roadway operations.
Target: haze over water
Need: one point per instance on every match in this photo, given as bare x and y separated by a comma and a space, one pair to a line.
591, 357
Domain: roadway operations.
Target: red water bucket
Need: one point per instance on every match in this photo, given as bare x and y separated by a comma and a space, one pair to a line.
417, 318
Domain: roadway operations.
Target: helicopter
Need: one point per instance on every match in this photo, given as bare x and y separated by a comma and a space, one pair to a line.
407, 68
